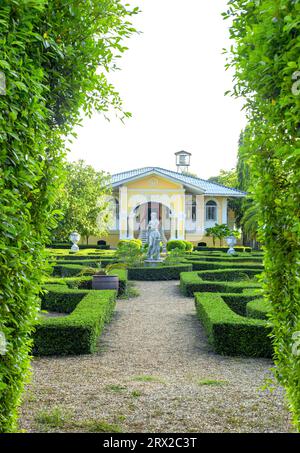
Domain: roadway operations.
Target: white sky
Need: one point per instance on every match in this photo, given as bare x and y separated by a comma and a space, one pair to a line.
173, 81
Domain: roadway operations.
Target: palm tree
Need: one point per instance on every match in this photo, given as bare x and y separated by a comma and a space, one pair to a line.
250, 220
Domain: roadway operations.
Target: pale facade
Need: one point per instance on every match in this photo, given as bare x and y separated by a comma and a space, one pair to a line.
185, 205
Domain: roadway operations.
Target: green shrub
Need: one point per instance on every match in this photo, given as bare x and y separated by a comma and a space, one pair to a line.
61, 298
188, 246
66, 270
176, 244
230, 333
78, 332
52, 76
223, 258
130, 252
208, 265
228, 274
62, 245
83, 263
265, 54
76, 258
191, 282
259, 309
158, 273
237, 302
174, 257
134, 242
238, 248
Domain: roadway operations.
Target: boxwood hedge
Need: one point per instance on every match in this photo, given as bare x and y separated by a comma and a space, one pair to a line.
230, 333
206, 265
259, 309
158, 273
239, 248
78, 332
191, 282
85, 282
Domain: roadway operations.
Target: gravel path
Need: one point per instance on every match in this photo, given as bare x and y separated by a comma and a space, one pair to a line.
154, 372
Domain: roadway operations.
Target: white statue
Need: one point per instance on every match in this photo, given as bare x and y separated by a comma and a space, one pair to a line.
153, 238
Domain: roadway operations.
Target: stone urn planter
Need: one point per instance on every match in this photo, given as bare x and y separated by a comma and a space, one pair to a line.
231, 242
74, 237
103, 281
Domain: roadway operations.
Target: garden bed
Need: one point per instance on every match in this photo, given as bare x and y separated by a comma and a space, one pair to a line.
77, 333
230, 333
158, 273
192, 282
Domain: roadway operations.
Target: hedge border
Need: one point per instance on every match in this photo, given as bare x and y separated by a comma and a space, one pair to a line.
258, 308
210, 265
78, 332
81, 246
241, 249
85, 281
230, 333
191, 282
158, 273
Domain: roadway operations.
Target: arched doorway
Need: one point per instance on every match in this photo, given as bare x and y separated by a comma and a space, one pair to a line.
142, 215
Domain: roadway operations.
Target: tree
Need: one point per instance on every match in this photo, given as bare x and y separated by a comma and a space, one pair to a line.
265, 57
54, 58
229, 178
84, 202
226, 178
219, 231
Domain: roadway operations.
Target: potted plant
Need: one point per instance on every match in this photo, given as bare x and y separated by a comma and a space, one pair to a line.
103, 279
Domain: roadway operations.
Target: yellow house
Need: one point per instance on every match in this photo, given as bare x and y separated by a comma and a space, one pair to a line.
185, 205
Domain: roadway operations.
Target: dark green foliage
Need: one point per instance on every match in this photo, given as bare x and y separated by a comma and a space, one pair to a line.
237, 302
203, 265
238, 248
188, 246
84, 202
176, 244
61, 298
63, 245
190, 283
67, 270
77, 257
158, 273
230, 333
130, 252
78, 332
89, 262
259, 309
52, 75
227, 275
223, 257
85, 282
265, 57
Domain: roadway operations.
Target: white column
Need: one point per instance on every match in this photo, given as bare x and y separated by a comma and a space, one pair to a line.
181, 217
123, 212
131, 226
173, 227
224, 210
200, 214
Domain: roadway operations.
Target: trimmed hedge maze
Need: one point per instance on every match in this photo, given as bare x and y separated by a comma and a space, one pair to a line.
78, 332
230, 333
229, 302
221, 281
159, 272
85, 311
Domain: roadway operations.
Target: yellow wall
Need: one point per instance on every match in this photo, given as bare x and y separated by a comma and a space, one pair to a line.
153, 182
